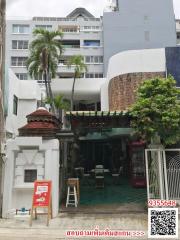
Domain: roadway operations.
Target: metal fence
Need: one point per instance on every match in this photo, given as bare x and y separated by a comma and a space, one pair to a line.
163, 173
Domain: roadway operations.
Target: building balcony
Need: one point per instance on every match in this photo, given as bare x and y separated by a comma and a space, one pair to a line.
65, 69
70, 51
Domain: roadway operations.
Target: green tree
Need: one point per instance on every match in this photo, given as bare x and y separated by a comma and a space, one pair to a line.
77, 61
45, 51
156, 111
60, 104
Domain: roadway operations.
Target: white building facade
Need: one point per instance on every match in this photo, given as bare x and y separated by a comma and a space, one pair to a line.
28, 159
138, 24
23, 98
82, 36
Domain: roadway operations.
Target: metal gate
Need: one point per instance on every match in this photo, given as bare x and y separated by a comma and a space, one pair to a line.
163, 173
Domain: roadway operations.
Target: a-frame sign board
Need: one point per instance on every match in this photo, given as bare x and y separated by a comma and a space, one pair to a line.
42, 199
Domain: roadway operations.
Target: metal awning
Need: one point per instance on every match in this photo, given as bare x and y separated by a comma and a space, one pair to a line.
93, 120
96, 113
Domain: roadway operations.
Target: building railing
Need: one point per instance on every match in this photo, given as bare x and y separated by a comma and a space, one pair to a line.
48, 19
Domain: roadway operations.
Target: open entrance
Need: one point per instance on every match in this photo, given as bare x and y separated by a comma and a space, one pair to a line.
109, 175
110, 167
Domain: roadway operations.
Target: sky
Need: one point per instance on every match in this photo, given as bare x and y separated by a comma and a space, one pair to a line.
60, 8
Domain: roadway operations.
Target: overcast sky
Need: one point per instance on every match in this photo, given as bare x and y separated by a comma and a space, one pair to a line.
60, 8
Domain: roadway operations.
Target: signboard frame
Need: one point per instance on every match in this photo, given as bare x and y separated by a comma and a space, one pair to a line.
42, 199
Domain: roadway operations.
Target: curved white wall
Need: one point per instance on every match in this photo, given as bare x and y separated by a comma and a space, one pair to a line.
134, 61
85, 88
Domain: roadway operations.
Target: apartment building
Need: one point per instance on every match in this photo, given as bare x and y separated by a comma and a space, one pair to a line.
82, 35
125, 26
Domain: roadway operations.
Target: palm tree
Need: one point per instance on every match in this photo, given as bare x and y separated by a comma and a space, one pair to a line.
60, 103
79, 67
45, 51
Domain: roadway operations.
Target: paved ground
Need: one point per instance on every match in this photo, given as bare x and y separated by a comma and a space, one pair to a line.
18, 228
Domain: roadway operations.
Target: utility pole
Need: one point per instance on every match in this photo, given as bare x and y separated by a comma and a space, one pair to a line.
2, 79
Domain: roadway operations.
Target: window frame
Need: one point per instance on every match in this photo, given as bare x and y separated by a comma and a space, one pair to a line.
15, 105
20, 27
18, 43
27, 178
19, 61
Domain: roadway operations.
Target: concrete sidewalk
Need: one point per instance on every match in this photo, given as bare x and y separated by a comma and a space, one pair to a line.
18, 228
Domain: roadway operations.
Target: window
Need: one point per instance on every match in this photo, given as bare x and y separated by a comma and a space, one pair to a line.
147, 36
15, 105
146, 18
69, 28
87, 27
89, 75
30, 175
94, 75
87, 59
18, 61
19, 44
178, 35
94, 59
24, 29
91, 28
64, 60
22, 76
45, 27
92, 43
98, 75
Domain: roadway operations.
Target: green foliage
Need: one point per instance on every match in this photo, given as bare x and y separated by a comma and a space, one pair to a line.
60, 102
79, 66
157, 110
45, 51
77, 61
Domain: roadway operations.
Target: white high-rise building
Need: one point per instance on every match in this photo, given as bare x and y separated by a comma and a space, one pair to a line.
82, 35
128, 25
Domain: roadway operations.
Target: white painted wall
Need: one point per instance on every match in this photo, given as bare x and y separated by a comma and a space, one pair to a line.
148, 60
29, 153
28, 93
139, 24
85, 88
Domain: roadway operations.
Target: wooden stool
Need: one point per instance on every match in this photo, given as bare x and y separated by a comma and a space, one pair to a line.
74, 182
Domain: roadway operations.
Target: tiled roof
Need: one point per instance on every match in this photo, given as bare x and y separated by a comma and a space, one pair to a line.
40, 112
39, 125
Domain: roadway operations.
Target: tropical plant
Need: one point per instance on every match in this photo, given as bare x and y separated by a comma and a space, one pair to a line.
77, 61
45, 51
156, 111
60, 104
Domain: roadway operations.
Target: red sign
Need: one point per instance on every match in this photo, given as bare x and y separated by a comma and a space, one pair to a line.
42, 193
